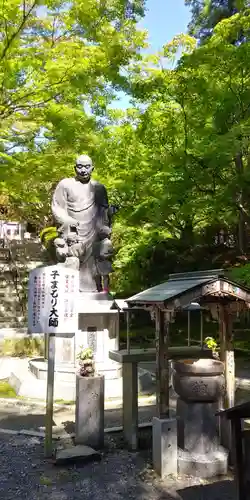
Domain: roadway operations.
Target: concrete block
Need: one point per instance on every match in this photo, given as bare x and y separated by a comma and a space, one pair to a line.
130, 404
165, 446
90, 411
76, 454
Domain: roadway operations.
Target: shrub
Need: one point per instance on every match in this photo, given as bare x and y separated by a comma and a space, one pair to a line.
25, 347
86, 362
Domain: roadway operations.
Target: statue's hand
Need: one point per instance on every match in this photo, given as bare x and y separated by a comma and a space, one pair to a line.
74, 226
72, 238
71, 226
70, 232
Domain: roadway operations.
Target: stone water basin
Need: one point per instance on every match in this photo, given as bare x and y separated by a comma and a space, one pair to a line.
198, 380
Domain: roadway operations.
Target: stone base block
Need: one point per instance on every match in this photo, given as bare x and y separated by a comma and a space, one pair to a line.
89, 421
27, 386
64, 372
164, 433
109, 372
76, 454
198, 428
205, 466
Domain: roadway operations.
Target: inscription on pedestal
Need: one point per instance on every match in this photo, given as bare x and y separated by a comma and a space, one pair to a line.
92, 338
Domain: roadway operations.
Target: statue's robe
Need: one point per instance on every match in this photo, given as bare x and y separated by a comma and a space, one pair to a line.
87, 204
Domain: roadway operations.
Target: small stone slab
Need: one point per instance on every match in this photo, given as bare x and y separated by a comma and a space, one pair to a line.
79, 453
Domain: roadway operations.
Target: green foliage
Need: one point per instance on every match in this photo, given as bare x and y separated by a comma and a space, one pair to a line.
24, 347
206, 14
211, 343
47, 235
86, 362
6, 391
58, 61
241, 275
177, 162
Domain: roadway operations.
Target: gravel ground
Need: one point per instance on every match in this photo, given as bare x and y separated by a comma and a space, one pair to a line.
120, 475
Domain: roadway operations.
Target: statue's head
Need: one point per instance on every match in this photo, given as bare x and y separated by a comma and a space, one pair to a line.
84, 168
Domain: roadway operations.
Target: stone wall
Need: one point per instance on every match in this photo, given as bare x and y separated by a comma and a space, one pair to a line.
16, 260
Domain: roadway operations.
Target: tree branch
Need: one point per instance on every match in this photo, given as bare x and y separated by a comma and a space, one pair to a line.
31, 105
19, 29
11, 106
53, 38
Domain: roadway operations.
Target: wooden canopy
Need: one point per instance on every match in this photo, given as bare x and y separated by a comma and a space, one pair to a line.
209, 288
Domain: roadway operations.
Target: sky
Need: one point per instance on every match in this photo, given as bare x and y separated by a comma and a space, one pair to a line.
163, 20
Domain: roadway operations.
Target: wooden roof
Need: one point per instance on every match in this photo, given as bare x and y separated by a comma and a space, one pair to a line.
182, 289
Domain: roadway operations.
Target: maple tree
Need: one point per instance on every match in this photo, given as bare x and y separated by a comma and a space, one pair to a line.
176, 162
60, 64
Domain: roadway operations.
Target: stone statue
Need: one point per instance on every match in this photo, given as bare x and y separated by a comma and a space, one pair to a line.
81, 212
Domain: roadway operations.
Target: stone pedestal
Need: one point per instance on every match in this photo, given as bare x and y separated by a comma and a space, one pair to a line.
98, 329
164, 446
200, 385
89, 421
100, 332
199, 450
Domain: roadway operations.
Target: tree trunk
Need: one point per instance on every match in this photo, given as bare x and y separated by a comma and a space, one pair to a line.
187, 232
240, 201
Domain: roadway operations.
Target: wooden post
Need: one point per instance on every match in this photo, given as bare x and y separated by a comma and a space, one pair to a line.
162, 364
46, 346
48, 445
222, 332
188, 328
201, 329
127, 314
227, 356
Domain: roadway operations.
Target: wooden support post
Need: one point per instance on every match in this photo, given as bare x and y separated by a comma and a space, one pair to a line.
201, 327
222, 331
127, 314
162, 364
188, 328
227, 356
46, 346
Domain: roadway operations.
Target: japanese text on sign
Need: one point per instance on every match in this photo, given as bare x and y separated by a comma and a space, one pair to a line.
53, 315
53, 293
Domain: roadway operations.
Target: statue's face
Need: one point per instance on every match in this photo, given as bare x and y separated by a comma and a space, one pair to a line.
84, 170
